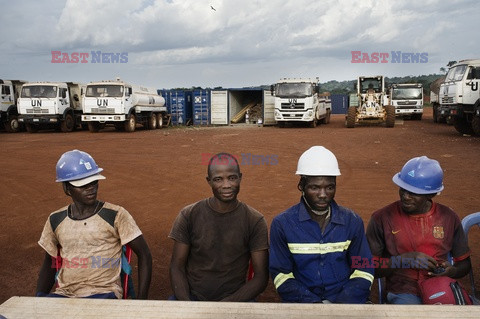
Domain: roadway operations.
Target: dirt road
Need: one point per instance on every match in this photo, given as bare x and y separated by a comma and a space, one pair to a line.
153, 174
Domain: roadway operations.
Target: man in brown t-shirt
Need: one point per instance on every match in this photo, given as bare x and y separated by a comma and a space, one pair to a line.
214, 240
90, 235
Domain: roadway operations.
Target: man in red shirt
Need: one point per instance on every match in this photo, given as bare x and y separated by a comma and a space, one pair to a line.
414, 236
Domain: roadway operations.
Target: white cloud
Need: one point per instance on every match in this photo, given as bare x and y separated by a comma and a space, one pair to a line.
257, 39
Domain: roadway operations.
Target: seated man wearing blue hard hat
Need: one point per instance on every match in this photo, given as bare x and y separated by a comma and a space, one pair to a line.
415, 235
90, 234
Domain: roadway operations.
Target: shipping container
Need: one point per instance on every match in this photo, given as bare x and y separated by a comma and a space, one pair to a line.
231, 102
180, 104
201, 107
219, 107
339, 103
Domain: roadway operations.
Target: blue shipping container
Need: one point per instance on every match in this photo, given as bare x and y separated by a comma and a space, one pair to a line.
339, 103
201, 107
166, 95
181, 107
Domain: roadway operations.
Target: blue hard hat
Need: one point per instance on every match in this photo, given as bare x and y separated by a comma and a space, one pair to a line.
420, 175
76, 165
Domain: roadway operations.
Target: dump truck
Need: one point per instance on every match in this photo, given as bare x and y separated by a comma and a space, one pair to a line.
460, 94
440, 114
9, 92
407, 98
123, 105
370, 104
299, 100
50, 104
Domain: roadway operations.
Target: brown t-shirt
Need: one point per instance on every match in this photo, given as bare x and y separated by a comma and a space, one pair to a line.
220, 246
90, 249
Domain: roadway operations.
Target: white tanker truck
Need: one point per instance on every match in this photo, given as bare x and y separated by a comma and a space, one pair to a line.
123, 105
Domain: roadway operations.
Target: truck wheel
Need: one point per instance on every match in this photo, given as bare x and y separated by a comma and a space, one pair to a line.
152, 122
351, 114
390, 121
462, 126
31, 128
68, 124
130, 123
326, 119
93, 127
12, 125
159, 120
313, 123
476, 125
435, 114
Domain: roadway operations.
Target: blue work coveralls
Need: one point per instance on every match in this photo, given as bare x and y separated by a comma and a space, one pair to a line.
309, 266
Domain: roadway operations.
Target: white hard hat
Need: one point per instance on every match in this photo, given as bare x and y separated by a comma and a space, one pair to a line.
317, 161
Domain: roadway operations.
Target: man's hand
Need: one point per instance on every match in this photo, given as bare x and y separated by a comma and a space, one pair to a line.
421, 260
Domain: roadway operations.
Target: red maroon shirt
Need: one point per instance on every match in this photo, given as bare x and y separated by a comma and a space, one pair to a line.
392, 232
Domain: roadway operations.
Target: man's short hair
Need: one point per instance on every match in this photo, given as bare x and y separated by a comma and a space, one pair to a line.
304, 179
222, 159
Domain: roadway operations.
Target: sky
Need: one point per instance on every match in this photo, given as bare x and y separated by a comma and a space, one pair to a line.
231, 44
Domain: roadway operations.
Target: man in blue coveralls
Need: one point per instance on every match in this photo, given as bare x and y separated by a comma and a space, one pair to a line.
313, 243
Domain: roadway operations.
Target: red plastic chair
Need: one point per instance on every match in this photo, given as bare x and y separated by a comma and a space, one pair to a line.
250, 272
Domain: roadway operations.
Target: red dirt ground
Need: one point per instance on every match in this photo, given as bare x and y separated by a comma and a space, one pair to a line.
153, 174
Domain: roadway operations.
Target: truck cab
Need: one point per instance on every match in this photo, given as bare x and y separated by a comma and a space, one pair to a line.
298, 100
407, 99
9, 90
50, 104
460, 94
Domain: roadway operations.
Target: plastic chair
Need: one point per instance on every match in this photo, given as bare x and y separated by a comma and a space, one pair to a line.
126, 274
381, 292
467, 222
127, 282
250, 272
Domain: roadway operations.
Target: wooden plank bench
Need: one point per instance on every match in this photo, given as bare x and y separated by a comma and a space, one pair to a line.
33, 307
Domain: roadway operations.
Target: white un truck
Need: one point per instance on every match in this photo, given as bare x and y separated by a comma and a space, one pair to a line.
407, 99
9, 92
50, 104
298, 100
460, 95
123, 105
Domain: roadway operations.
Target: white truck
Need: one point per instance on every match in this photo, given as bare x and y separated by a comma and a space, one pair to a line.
298, 100
9, 92
50, 104
440, 115
123, 105
460, 94
407, 99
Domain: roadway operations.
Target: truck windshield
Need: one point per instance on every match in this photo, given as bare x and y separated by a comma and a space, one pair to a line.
39, 91
293, 90
374, 84
104, 91
407, 94
456, 73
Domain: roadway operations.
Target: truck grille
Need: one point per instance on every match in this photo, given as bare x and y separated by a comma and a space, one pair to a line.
447, 100
37, 111
407, 102
292, 107
103, 110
